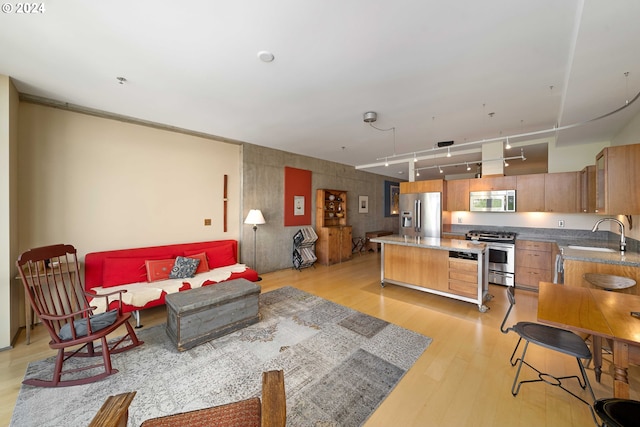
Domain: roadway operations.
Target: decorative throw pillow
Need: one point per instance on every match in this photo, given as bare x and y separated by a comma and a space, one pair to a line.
203, 267
184, 267
99, 321
159, 269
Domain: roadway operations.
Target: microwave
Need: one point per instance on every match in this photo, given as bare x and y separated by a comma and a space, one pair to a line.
492, 201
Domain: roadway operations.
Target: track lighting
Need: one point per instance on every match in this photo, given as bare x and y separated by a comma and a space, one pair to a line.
415, 158
439, 168
448, 152
508, 146
505, 163
468, 167
386, 162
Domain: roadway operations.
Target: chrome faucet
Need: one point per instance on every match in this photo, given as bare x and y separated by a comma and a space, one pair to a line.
623, 241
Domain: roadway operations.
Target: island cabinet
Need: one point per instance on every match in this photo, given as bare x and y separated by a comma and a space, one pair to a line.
334, 235
618, 180
534, 263
493, 183
530, 193
457, 195
447, 267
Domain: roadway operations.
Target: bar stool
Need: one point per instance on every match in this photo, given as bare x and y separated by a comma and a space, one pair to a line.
618, 412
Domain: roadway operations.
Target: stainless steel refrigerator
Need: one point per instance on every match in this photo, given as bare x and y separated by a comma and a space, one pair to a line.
421, 214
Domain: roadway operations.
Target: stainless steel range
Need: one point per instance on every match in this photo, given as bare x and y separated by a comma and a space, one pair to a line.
502, 253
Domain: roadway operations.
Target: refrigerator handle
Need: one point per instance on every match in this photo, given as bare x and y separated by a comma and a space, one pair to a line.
418, 215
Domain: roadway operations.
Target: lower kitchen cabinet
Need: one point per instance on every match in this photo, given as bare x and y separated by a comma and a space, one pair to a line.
463, 277
534, 263
333, 244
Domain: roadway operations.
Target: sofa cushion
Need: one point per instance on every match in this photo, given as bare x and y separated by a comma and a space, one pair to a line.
203, 267
99, 321
120, 271
184, 267
217, 256
159, 269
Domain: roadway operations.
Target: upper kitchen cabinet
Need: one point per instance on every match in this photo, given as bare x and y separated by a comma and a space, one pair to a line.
530, 193
457, 195
493, 183
588, 189
618, 180
429, 186
561, 192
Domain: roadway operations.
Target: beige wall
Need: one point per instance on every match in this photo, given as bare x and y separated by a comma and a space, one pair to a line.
103, 184
9, 291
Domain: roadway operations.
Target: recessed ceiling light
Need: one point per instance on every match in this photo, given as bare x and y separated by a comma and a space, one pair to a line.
265, 56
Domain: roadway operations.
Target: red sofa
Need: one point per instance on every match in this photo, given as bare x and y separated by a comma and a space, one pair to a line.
131, 269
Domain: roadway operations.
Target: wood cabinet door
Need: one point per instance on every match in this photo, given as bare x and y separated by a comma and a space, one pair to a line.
493, 183
588, 189
530, 193
428, 186
622, 179
346, 243
457, 195
561, 192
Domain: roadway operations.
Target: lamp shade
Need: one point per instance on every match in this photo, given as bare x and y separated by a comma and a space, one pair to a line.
255, 217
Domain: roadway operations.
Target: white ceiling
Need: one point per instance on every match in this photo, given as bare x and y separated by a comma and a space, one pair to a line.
434, 70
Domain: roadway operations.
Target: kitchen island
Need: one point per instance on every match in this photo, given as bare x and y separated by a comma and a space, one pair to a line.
448, 267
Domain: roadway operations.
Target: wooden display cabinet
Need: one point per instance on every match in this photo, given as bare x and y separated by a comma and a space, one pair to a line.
334, 235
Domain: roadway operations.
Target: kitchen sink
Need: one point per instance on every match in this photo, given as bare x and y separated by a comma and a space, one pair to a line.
591, 248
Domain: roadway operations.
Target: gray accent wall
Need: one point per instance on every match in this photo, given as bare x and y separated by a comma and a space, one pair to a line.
263, 188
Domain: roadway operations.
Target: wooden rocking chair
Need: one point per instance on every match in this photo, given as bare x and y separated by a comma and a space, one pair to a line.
52, 282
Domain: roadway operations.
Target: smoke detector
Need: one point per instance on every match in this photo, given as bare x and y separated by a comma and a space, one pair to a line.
370, 116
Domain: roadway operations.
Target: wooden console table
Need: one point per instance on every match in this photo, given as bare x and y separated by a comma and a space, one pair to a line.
372, 246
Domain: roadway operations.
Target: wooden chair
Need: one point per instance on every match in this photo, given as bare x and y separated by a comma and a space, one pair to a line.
53, 285
270, 411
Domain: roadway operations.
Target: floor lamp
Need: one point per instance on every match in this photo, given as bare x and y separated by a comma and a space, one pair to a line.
255, 217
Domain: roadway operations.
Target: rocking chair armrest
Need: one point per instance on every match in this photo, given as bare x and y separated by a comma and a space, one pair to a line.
86, 311
107, 295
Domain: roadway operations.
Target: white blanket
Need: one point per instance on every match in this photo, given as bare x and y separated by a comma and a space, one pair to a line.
141, 293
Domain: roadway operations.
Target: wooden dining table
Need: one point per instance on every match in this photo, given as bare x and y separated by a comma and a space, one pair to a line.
605, 315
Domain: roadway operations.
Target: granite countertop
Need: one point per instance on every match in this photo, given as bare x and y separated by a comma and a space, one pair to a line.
433, 243
566, 238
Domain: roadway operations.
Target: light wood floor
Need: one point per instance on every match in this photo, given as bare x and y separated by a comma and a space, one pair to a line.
463, 379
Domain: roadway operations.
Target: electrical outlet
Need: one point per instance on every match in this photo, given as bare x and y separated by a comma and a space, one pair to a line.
561, 223
207, 221
459, 220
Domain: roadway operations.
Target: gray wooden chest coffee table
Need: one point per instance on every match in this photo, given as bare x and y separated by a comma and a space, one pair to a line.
202, 314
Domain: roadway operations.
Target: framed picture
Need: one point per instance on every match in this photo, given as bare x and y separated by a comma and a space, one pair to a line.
391, 198
298, 205
363, 204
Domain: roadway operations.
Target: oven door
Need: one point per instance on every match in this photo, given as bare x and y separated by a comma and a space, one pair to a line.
502, 257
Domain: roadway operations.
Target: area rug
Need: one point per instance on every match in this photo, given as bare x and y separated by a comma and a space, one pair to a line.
339, 365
